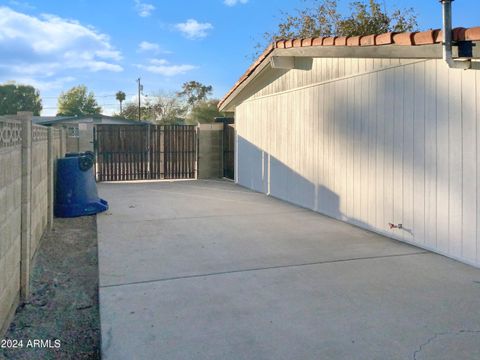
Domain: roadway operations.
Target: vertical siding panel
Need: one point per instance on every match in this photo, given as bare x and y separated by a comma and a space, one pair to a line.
362, 67
321, 69
269, 134
380, 152
343, 143
469, 175
284, 140
290, 100
442, 157
335, 208
409, 165
364, 147
388, 155
328, 185
321, 144
369, 64
316, 70
325, 173
335, 70
341, 67
333, 203
418, 196
307, 197
329, 68
431, 153
305, 156
398, 148
350, 102
355, 65
372, 153
316, 143
309, 149
477, 104
357, 151
348, 66
455, 168
299, 115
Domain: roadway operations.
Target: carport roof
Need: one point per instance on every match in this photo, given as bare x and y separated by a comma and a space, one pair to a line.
415, 40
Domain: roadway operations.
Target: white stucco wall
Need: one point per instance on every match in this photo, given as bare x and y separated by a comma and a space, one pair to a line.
369, 144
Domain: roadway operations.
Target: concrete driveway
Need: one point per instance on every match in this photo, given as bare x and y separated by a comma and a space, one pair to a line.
209, 270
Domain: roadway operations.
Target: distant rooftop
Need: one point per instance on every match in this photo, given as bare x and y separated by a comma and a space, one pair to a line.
52, 120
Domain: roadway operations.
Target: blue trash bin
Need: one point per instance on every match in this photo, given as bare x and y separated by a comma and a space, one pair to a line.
76, 190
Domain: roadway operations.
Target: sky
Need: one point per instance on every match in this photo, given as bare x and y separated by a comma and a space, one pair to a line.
106, 45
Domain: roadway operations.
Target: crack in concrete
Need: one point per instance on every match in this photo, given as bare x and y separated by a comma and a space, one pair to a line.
437, 335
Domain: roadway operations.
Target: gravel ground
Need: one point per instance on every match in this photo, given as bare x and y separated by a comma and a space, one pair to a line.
64, 296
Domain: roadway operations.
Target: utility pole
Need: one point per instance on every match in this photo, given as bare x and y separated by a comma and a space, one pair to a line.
140, 88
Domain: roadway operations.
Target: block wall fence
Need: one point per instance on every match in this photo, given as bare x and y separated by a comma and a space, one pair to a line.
27, 167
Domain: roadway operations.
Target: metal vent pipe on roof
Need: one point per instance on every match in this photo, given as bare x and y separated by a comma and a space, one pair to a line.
447, 38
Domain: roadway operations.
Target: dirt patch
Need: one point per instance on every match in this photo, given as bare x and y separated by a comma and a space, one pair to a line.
63, 305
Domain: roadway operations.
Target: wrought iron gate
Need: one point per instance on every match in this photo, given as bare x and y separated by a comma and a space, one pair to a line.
142, 152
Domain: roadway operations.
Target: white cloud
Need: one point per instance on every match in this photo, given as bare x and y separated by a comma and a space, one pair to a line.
158, 62
48, 45
148, 46
163, 67
234, 2
143, 9
46, 85
192, 29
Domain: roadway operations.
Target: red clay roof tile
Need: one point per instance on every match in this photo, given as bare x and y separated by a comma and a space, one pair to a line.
459, 34
423, 37
341, 41
317, 41
472, 34
385, 39
353, 41
403, 39
297, 43
307, 42
329, 41
368, 40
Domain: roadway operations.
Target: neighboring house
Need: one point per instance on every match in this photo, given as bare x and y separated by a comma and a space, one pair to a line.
80, 129
372, 130
87, 119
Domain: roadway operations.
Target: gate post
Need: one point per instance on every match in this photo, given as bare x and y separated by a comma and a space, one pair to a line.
149, 157
197, 151
210, 150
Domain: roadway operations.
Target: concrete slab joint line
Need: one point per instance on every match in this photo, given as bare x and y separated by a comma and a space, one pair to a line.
264, 268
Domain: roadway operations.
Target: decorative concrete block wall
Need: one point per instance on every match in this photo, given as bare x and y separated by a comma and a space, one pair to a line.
39, 202
27, 158
10, 216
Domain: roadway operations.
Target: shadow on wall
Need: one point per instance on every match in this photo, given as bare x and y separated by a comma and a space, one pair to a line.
260, 171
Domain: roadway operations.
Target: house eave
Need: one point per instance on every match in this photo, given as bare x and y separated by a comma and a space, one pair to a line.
432, 51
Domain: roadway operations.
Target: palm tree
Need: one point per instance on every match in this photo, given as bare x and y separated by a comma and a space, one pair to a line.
120, 96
